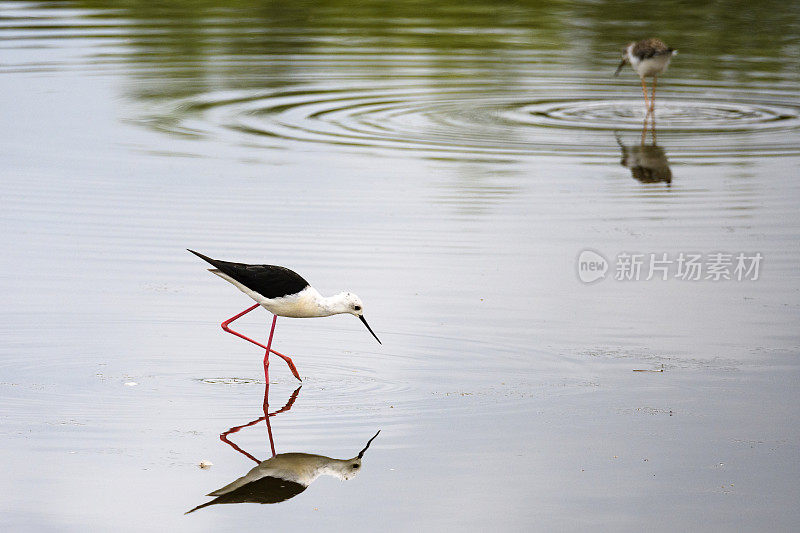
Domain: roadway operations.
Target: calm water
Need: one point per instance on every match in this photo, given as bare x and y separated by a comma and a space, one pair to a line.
448, 163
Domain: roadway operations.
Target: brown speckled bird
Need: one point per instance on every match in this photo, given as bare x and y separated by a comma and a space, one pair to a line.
648, 58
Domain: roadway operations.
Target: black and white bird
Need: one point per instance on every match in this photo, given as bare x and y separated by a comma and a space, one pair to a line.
282, 292
649, 58
284, 476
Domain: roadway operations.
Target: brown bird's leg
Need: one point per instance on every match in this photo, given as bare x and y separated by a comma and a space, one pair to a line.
644, 129
653, 126
644, 91
653, 99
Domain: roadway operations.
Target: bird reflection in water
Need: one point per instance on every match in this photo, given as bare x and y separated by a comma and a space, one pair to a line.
647, 162
284, 475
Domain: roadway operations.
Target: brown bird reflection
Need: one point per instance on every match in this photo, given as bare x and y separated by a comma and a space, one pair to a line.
647, 162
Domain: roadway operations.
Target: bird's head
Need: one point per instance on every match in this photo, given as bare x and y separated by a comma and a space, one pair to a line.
351, 303
348, 468
625, 58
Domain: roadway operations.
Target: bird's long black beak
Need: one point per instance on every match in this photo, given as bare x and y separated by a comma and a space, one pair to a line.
361, 453
621, 64
364, 320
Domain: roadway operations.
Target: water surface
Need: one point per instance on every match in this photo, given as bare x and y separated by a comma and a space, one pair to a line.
447, 163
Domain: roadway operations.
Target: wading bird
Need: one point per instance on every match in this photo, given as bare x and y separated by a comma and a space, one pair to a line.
282, 292
649, 58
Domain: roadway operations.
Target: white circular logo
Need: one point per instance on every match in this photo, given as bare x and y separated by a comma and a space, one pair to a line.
591, 266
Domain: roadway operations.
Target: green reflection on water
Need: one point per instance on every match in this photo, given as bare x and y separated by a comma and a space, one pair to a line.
716, 39
222, 64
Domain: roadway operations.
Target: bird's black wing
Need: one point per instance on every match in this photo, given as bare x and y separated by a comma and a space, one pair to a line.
265, 490
269, 281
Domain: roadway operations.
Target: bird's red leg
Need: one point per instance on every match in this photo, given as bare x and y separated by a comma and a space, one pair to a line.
266, 393
231, 319
266, 360
224, 436
285, 358
644, 91
268, 415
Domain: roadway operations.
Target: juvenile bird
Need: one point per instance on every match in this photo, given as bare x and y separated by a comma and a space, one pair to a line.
649, 58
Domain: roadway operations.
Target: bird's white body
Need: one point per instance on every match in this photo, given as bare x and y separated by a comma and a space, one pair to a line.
648, 67
308, 303
302, 468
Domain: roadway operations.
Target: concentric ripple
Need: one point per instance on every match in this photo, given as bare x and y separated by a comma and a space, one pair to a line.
672, 115
471, 119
